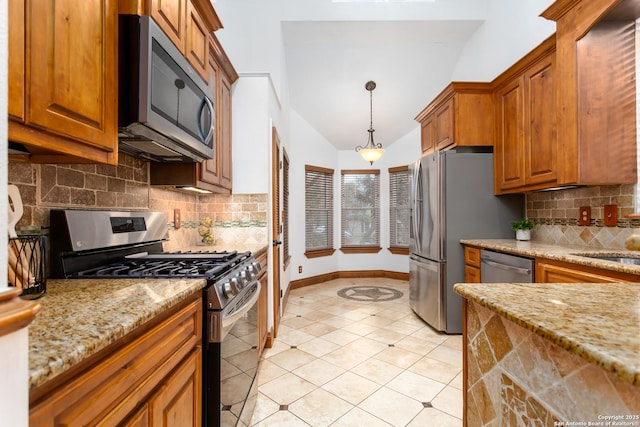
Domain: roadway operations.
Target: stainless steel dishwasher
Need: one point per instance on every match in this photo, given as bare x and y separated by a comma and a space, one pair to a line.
497, 267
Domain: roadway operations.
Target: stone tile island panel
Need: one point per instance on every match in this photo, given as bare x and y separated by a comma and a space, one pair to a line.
517, 378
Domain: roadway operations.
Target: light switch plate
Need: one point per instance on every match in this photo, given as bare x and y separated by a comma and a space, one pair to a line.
585, 215
611, 215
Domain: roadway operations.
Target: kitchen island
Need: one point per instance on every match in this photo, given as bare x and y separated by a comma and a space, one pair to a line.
551, 353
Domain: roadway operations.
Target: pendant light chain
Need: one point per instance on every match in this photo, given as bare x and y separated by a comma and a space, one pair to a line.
372, 151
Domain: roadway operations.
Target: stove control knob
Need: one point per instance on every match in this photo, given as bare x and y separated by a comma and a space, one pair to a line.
256, 267
244, 278
251, 273
237, 284
228, 290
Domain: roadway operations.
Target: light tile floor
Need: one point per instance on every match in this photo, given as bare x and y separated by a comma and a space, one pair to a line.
340, 362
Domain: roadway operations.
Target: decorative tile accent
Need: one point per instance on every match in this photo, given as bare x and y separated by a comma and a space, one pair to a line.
370, 293
516, 378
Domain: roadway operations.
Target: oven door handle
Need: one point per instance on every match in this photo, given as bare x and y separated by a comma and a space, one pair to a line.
228, 321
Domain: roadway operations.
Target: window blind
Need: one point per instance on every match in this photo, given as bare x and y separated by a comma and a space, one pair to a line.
399, 207
360, 211
318, 208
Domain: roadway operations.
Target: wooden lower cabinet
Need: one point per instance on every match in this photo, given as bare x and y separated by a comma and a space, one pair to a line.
471, 264
548, 271
150, 377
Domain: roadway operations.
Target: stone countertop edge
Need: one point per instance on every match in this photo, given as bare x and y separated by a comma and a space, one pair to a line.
598, 322
566, 253
80, 317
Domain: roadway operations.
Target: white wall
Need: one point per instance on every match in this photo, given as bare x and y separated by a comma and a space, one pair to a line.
309, 147
14, 347
251, 130
511, 30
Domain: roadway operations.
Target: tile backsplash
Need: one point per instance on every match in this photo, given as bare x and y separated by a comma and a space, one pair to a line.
556, 215
236, 218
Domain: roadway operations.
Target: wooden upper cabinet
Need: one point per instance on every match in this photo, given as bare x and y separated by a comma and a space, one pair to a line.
428, 134
462, 115
595, 71
170, 15
540, 138
525, 148
197, 42
444, 124
63, 80
224, 133
16, 60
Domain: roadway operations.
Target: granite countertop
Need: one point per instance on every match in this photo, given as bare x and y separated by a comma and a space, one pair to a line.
81, 317
598, 322
566, 253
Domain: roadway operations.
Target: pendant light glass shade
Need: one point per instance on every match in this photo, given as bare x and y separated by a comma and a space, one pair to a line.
372, 151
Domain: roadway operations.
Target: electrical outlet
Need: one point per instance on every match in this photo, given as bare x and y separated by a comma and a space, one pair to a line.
611, 215
176, 218
299, 269
585, 215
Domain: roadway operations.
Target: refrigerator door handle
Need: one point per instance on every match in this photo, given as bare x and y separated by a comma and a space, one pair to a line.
506, 267
417, 197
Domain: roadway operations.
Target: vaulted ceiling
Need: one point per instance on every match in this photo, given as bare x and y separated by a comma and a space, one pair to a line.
326, 50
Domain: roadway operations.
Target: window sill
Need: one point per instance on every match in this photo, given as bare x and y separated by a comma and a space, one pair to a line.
361, 249
399, 251
319, 253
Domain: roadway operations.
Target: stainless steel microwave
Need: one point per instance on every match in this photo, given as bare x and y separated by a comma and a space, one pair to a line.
165, 109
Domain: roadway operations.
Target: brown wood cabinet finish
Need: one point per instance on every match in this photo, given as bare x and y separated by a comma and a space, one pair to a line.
550, 271
170, 15
461, 115
471, 264
151, 377
526, 144
428, 134
596, 91
63, 91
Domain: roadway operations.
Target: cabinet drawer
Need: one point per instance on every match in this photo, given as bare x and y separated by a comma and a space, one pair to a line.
472, 256
559, 272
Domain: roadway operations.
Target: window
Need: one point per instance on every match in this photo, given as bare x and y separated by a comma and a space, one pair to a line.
360, 230
285, 209
318, 185
399, 210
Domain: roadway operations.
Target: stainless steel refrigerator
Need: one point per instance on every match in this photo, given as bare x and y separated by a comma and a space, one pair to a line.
451, 199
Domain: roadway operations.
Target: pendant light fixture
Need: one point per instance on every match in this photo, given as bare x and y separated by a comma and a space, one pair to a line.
372, 151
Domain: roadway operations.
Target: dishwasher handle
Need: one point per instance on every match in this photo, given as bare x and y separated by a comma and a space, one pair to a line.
525, 271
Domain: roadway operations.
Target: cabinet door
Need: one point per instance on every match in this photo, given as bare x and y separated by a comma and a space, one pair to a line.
16, 60
540, 118
209, 169
558, 272
72, 82
428, 135
197, 42
508, 157
178, 403
444, 125
471, 274
224, 134
170, 16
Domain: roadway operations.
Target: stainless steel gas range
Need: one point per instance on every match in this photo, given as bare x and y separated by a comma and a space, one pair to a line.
107, 244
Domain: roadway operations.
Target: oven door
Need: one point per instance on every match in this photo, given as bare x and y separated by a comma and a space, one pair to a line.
231, 363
